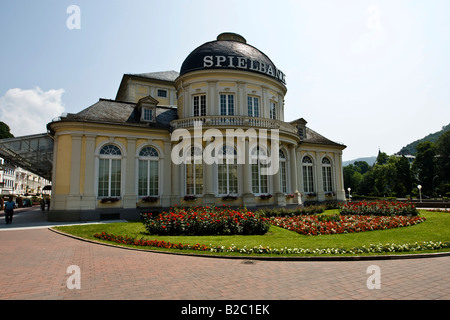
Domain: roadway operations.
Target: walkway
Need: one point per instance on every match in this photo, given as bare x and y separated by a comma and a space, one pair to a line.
34, 266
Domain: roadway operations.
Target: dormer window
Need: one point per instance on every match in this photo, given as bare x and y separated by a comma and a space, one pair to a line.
146, 107
147, 114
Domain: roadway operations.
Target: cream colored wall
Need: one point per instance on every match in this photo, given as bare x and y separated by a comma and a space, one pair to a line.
241, 84
137, 90
75, 175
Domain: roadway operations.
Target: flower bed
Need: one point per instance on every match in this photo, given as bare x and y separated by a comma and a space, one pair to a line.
372, 248
379, 208
317, 225
205, 221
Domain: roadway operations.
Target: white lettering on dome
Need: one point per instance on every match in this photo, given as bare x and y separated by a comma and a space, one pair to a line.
220, 61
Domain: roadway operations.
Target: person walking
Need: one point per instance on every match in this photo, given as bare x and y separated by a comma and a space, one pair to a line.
10, 205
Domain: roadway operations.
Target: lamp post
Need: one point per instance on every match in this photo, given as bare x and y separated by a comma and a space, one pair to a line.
349, 196
420, 192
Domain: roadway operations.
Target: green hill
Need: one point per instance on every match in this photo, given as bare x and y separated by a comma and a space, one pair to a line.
433, 137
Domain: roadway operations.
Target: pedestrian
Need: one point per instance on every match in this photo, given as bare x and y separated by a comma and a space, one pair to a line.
10, 205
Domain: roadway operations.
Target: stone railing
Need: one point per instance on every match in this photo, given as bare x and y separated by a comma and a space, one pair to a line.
241, 121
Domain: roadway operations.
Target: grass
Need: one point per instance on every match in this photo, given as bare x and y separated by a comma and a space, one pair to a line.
435, 228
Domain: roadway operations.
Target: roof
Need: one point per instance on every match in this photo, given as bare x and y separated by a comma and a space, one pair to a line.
314, 137
122, 113
236, 54
170, 75
165, 77
33, 153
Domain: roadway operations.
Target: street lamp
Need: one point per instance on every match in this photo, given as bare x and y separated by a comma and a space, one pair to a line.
420, 193
349, 196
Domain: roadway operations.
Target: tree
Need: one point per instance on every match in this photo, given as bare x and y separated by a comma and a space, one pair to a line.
5, 131
403, 177
443, 163
424, 166
382, 158
363, 165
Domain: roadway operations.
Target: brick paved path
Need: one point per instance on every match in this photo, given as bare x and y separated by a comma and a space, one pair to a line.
34, 264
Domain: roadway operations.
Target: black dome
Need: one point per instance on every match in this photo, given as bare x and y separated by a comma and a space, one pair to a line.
230, 51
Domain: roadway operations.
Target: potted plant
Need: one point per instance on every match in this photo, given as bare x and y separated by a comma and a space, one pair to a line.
229, 197
190, 197
150, 199
109, 200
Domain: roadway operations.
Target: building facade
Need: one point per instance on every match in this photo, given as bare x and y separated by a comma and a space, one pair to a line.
212, 134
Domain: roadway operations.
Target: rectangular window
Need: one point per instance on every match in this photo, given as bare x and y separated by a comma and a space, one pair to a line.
162, 93
227, 179
226, 104
327, 185
194, 179
308, 185
259, 181
200, 105
148, 180
273, 110
253, 106
109, 178
148, 114
283, 175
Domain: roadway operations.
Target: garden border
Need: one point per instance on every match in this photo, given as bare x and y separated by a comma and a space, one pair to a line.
267, 258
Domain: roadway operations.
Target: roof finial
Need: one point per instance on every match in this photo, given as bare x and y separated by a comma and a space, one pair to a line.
230, 36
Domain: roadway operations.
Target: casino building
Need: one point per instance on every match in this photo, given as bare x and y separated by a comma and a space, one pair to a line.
151, 147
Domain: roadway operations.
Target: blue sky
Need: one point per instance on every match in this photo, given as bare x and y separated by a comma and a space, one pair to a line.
369, 74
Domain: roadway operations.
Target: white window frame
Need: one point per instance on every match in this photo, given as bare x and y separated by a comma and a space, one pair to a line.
327, 175
194, 163
228, 163
284, 184
230, 104
308, 174
272, 110
158, 91
109, 160
260, 182
200, 105
252, 107
149, 161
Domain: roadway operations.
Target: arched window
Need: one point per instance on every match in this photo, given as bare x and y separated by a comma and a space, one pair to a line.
308, 179
148, 177
227, 171
194, 172
259, 181
109, 171
283, 172
326, 175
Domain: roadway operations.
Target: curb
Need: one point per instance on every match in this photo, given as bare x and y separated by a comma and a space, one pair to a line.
266, 258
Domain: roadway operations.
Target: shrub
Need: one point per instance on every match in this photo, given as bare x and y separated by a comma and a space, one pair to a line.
205, 221
379, 208
289, 212
321, 224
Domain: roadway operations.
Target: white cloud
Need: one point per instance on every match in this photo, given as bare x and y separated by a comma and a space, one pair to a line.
27, 112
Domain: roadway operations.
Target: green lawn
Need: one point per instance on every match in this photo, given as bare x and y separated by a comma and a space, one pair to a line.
436, 228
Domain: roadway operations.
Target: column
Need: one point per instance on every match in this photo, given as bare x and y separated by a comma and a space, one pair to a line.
166, 178
130, 196
74, 197
209, 197
248, 197
294, 173
88, 195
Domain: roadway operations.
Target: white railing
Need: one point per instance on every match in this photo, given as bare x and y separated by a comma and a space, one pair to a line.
233, 121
